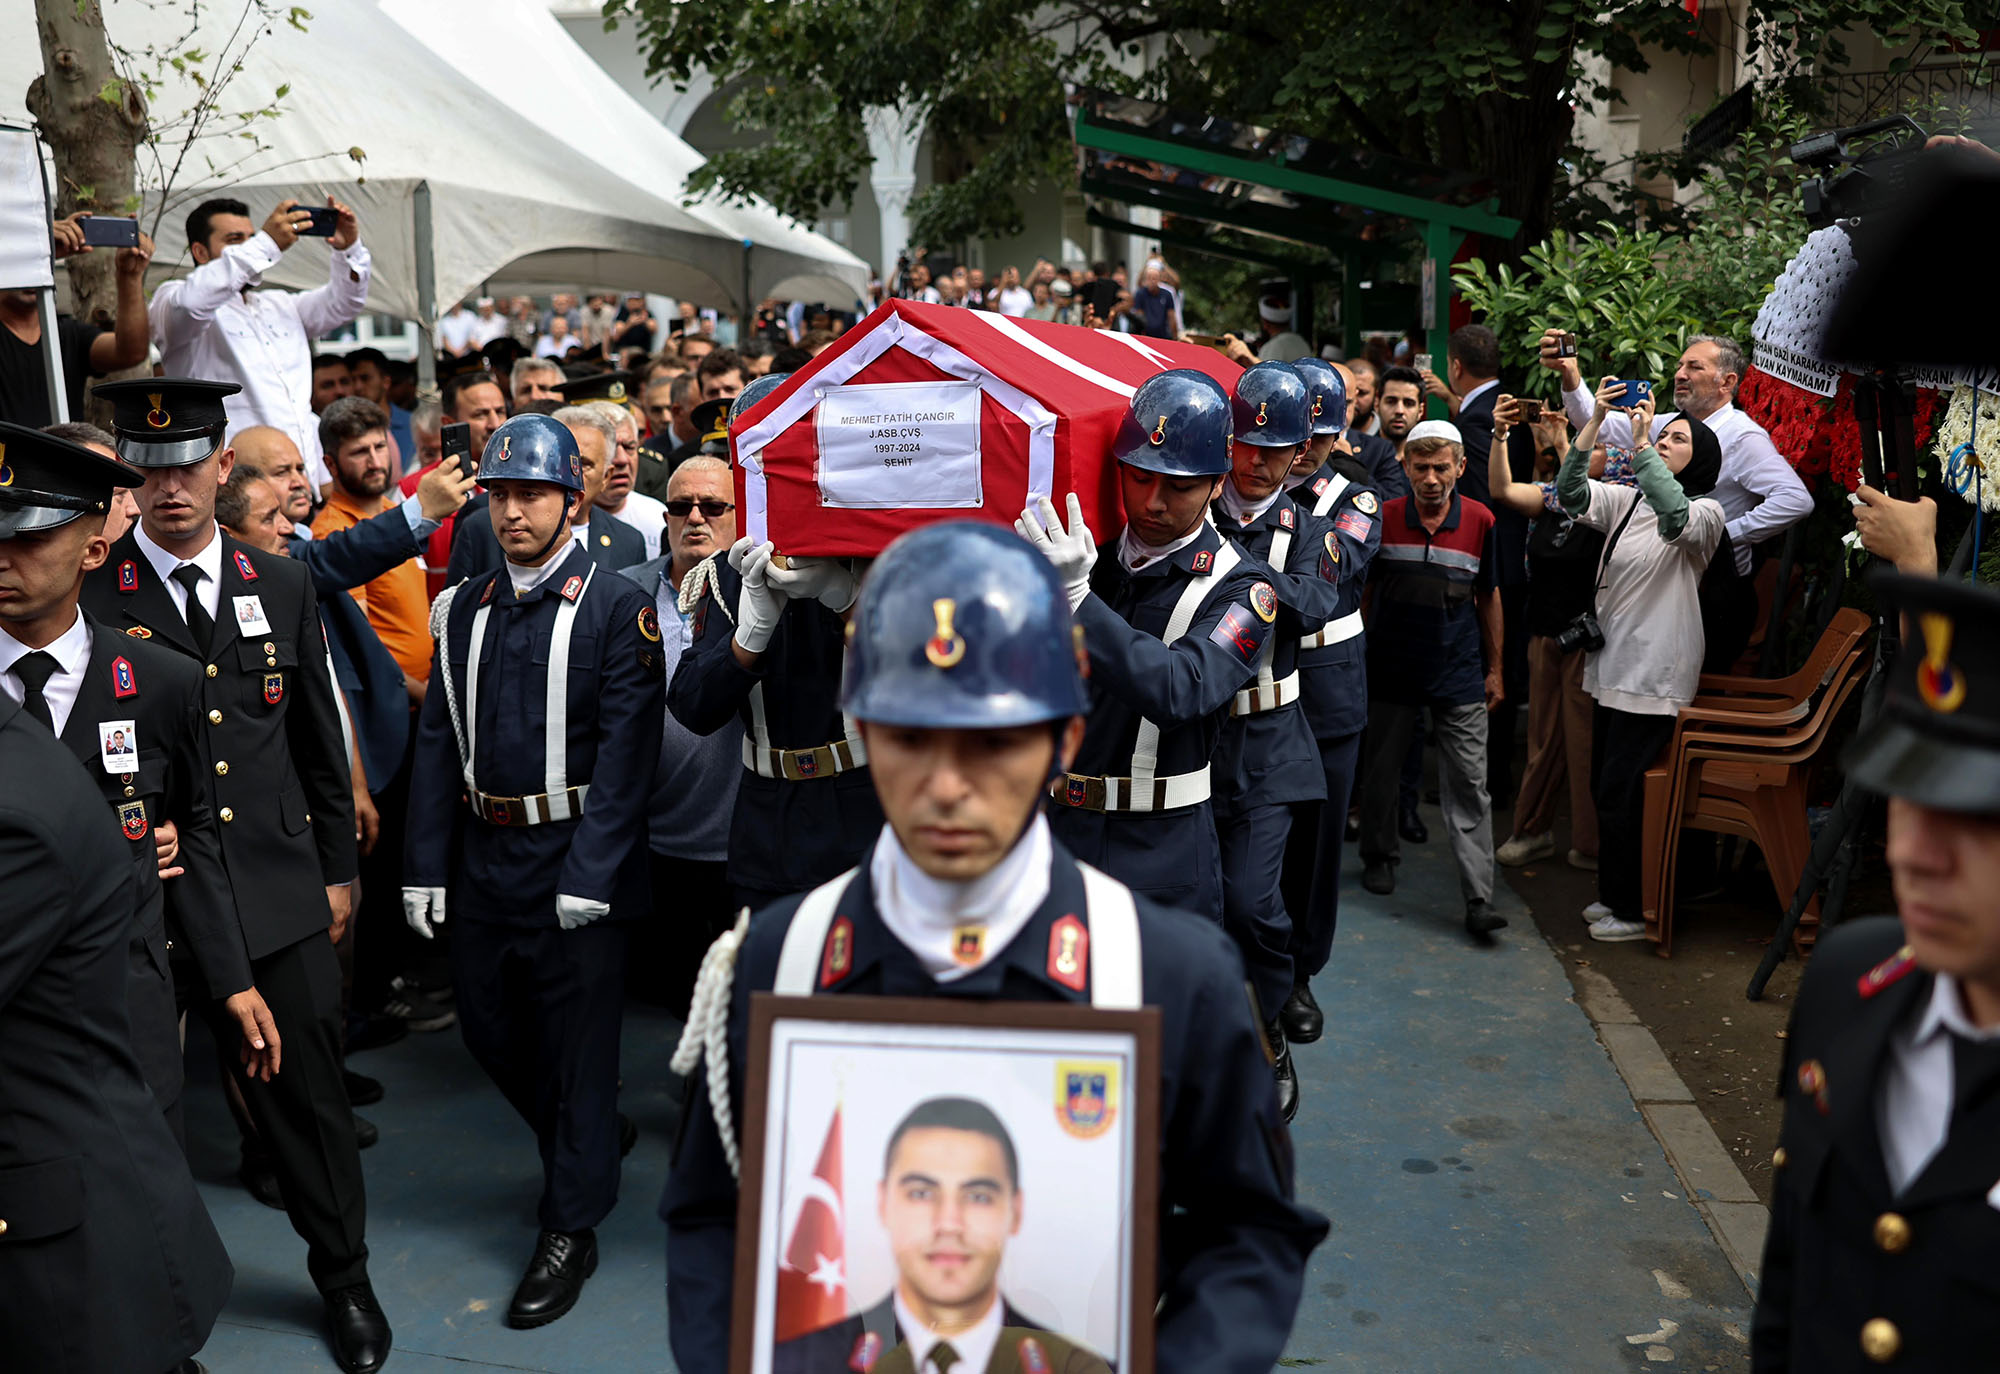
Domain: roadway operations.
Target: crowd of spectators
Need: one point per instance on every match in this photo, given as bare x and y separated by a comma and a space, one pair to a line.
1100, 296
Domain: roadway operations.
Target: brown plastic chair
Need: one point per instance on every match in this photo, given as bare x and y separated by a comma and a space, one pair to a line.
1782, 695
1741, 773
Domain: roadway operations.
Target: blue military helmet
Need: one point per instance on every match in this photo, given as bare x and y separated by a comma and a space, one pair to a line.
532, 448
1272, 408
1177, 424
759, 388
1326, 396
963, 626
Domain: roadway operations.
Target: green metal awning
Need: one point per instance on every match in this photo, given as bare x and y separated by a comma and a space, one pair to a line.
1294, 192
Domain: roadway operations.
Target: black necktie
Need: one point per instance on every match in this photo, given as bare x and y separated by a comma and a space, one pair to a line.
35, 670
943, 1357
200, 623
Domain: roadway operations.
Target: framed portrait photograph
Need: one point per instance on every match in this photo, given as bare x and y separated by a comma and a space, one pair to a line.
937, 1184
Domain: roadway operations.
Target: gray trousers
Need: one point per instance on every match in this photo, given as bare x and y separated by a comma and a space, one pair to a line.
1468, 811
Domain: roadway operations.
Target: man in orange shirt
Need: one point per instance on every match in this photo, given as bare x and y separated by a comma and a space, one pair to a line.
361, 456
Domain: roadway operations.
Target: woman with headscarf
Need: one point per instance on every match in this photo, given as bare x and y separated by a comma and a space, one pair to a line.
1661, 536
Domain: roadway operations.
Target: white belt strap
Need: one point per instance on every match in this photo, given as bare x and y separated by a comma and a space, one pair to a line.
798, 960
1324, 503
1146, 747
555, 731
1114, 942
1334, 632
1267, 695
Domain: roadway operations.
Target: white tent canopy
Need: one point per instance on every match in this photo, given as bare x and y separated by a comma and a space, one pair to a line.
456, 187
591, 112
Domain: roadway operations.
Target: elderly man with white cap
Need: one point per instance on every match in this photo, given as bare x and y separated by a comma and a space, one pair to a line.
1434, 639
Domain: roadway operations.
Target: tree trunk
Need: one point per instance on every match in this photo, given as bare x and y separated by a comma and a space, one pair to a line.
92, 122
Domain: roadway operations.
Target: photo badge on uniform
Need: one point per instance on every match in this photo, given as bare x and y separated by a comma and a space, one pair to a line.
250, 620
118, 746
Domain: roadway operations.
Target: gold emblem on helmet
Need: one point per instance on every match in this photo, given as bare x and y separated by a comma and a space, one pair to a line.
1160, 431
1261, 405
944, 649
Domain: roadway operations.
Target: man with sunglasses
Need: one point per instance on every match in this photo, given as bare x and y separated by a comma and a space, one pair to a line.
694, 786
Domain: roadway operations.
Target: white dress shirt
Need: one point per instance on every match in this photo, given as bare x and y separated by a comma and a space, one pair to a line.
209, 560
71, 651
526, 579
926, 913
211, 324
974, 1346
1760, 494
646, 515
1913, 1111
456, 329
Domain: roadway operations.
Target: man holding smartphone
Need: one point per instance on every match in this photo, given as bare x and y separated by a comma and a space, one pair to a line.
216, 325
87, 350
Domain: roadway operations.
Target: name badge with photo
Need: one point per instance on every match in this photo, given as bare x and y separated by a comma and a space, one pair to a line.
250, 621
118, 745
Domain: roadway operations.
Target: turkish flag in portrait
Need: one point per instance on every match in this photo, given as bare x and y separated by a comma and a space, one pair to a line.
812, 1279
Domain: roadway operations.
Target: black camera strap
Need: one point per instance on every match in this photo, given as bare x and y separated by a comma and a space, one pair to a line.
1604, 563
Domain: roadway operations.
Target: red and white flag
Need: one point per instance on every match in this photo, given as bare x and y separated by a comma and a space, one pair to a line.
812, 1279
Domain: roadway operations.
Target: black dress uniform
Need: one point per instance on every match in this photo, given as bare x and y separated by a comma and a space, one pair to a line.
475, 549
1233, 1242
1266, 767
129, 678
1333, 683
806, 808
1153, 827
108, 1260
541, 1007
1884, 1244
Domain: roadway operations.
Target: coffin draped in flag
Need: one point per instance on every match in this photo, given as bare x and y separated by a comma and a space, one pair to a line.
812, 1278
923, 413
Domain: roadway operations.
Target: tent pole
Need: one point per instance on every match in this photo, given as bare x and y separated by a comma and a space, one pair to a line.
45, 305
746, 321
420, 224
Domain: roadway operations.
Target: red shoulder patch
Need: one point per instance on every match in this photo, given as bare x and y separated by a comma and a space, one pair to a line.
245, 567
123, 684
487, 595
1896, 967
836, 961
1203, 561
867, 1352
1285, 517
1069, 954
1034, 1360
128, 577
572, 589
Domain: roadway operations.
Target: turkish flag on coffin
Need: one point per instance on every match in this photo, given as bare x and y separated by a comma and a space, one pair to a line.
812, 1277
922, 413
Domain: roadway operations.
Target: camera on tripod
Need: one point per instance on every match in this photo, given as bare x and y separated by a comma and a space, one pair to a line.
1853, 184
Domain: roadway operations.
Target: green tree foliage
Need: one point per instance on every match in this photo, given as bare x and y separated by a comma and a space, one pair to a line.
1488, 86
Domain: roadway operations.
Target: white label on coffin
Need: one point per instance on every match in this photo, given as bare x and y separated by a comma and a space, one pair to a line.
900, 446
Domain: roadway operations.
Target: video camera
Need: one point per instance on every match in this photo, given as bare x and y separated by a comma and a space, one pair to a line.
1865, 182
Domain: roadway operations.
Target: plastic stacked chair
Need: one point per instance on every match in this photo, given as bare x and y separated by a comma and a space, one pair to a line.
1741, 762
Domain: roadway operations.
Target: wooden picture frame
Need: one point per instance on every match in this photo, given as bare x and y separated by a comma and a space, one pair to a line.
1093, 1140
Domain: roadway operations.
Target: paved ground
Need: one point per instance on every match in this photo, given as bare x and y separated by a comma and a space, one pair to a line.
1498, 1203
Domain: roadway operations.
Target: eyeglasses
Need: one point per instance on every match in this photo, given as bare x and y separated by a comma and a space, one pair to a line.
714, 510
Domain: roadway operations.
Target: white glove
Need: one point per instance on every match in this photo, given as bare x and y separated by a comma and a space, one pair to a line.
826, 580
739, 551
573, 913
1073, 551
759, 604
423, 908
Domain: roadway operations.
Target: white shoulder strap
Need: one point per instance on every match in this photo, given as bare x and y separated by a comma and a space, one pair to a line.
555, 728
798, 961
479, 618
1115, 983
1146, 746
1330, 495
1281, 554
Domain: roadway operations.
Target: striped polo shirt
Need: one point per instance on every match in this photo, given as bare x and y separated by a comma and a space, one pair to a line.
1423, 632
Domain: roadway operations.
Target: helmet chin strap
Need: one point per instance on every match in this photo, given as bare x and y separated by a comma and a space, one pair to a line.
562, 526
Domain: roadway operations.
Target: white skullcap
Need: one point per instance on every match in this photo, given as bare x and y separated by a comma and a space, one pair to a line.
1274, 313
1435, 429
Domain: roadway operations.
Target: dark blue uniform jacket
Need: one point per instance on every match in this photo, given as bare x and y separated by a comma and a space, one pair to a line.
1334, 677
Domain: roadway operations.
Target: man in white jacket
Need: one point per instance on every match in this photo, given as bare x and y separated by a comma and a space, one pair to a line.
215, 325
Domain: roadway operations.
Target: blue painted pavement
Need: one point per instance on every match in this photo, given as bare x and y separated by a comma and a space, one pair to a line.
1497, 1202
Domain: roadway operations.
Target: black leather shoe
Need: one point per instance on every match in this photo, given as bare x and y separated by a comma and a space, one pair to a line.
262, 1183
365, 1132
1301, 1016
362, 1091
189, 1366
1411, 826
1481, 919
357, 1328
374, 1032
1281, 1068
1379, 878
628, 1135
554, 1281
